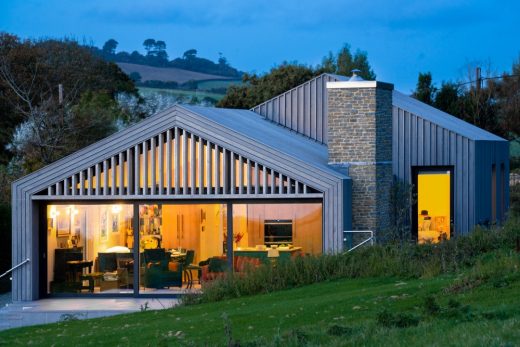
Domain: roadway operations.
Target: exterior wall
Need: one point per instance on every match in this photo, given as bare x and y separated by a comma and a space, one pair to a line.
360, 140
27, 192
420, 142
302, 109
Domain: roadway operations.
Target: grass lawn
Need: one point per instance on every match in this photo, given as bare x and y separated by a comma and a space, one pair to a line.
207, 85
180, 93
337, 313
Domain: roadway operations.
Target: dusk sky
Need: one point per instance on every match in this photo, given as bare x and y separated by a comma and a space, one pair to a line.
402, 38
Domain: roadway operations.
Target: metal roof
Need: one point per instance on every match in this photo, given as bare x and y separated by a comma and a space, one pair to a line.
442, 119
270, 134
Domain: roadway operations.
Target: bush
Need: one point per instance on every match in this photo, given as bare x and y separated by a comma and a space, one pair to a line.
404, 261
388, 319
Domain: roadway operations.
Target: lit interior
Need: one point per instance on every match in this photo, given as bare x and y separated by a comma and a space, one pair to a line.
433, 197
91, 248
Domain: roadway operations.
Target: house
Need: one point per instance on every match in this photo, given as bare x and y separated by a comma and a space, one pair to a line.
287, 177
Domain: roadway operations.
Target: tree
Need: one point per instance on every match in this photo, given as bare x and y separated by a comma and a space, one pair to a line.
135, 76
149, 45
448, 99
190, 54
109, 48
425, 90
508, 92
30, 72
344, 62
257, 89
160, 45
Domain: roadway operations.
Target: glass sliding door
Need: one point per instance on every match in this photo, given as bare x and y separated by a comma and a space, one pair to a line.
174, 236
90, 249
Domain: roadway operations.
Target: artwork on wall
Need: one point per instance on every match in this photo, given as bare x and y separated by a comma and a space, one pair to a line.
115, 223
62, 226
103, 225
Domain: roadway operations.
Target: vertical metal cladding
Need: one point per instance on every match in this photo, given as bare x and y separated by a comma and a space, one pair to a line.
303, 108
471, 152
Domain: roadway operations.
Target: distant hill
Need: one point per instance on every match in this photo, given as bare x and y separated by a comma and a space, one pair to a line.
168, 74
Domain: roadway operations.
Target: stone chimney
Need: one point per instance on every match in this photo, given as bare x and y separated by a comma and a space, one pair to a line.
360, 144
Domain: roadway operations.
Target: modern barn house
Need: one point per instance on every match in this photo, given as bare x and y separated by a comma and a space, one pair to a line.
131, 214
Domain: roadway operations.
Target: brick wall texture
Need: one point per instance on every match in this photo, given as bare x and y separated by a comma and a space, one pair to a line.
360, 137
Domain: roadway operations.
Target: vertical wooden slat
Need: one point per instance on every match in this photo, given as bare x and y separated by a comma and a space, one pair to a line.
137, 169
193, 163
232, 180
129, 171
176, 160
297, 186
153, 164
256, 180
113, 172
280, 183
98, 179
273, 182
225, 170
105, 177
248, 173
304, 189
145, 168
169, 162
121, 173
73, 184
208, 167
161, 164
264, 180
184, 162
200, 165
217, 169
240, 174
89, 179
82, 182
66, 186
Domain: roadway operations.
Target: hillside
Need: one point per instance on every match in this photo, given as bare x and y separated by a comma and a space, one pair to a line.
152, 73
339, 313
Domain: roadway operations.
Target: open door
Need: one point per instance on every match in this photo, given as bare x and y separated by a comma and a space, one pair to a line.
434, 191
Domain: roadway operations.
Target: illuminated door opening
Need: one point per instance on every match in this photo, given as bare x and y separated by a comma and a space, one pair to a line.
433, 206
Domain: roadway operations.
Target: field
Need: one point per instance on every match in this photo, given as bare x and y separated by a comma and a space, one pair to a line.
347, 312
167, 74
180, 93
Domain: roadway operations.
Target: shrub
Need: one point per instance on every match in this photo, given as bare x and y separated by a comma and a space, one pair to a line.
404, 261
388, 319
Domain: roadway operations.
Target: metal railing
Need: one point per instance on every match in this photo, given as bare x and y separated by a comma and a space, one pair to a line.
370, 238
15, 267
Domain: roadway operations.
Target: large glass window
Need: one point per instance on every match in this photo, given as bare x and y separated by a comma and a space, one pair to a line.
175, 241
90, 248
277, 230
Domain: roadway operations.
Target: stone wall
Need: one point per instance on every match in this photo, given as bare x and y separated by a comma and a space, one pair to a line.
360, 139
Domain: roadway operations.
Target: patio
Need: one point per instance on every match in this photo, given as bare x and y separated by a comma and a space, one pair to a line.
45, 311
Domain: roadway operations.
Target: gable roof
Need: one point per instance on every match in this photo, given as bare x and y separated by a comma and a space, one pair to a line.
241, 131
441, 118
268, 134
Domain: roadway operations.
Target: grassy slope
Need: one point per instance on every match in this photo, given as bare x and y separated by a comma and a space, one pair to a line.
178, 92
311, 310
167, 73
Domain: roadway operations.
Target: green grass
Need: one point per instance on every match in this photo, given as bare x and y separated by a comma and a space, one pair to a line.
210, 84
180, 93
336, 313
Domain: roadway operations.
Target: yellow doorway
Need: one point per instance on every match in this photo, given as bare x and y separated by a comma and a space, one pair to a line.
433, 202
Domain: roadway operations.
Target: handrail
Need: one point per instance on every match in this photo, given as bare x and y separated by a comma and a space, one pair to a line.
15, 267
370, 239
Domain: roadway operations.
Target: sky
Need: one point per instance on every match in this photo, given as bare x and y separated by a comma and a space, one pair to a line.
401, 38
